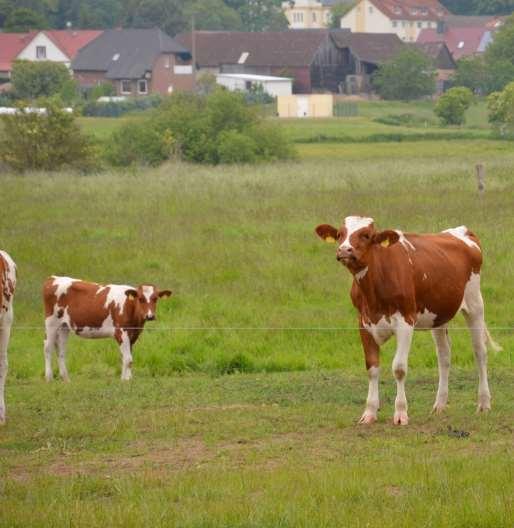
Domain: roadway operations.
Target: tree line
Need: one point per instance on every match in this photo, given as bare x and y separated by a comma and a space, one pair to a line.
173, 16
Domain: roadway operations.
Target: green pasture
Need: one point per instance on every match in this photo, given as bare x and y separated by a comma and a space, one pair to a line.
246, 391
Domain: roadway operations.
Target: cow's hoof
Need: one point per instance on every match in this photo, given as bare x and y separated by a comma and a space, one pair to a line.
48, 379
438, 408
2, 417
483, 407
400, 418
368, 418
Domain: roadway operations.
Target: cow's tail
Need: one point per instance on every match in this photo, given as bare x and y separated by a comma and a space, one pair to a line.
490, 342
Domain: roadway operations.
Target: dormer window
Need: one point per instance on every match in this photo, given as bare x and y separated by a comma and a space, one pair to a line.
424, 11
243, 57
460, 45
115, 57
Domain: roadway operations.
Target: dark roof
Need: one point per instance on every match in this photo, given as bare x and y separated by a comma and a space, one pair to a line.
294, 47
438, 52
126, 53
375, 48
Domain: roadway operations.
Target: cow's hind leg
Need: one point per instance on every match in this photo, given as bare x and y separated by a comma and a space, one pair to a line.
404, 333
442, 343
5, 331
371, 351
62, 339
473, 310
50, 344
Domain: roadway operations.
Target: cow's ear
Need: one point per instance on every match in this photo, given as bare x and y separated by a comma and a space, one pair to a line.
386, 238
164, 293
327, 233
131, 294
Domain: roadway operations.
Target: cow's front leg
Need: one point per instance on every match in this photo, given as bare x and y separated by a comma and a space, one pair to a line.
404, 332
126, 355
371, 353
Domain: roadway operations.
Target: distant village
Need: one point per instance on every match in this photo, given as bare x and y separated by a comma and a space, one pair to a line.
308, 58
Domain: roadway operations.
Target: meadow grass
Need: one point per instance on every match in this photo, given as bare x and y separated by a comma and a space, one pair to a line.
255, 292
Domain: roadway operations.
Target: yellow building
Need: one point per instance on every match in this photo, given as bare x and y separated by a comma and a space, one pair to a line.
303, 14
405, 18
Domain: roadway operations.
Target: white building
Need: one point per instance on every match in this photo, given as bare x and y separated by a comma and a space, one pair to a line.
406, 18
244, 82
303, 14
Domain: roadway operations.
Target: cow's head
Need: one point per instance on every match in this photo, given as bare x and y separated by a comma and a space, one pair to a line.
354, 239
145, 299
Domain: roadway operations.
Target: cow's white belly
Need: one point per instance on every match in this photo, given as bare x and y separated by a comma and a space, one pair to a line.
96, 332
425, 320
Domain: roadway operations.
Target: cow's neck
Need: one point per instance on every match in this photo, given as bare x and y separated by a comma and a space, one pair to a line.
371, 280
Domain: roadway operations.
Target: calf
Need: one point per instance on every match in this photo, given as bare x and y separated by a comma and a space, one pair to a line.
7, 287
92, 311
404, 282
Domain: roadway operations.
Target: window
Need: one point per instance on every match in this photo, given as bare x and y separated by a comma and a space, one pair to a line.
40, 52
142, 86
313, 16
244, 56
298, 16
404, 23
460, 45
420, 24
395, 23
126, 87
370, 10
115, 57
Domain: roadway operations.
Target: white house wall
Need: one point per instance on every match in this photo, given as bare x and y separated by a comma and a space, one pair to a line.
53, 53
365, 17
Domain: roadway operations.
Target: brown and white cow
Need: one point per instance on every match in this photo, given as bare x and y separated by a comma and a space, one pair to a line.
404, 282
7, 287
93, 311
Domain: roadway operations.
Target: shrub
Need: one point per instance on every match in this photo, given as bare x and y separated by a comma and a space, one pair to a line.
235, 147
218, 128
501, 110
94, 108
32, 80
409, 75
452, 105
408, 120
50, 141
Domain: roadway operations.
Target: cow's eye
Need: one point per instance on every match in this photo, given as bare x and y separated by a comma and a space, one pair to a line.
365, 236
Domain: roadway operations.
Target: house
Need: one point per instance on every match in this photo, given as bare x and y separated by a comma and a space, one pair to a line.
405, 18
305, 14
244, 82
136, 61
11, 44
443, 60
361, 55
465, 36
308, 56
52, 45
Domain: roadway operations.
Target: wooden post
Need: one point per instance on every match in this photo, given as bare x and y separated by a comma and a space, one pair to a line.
480, 170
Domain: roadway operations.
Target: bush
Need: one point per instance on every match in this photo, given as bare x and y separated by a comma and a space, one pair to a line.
407, 120
409, 75
50, 141
117, 109
452, 105
218, 128
32, 80
501, 110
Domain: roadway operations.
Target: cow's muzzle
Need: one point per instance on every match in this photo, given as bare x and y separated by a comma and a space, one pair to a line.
150, 317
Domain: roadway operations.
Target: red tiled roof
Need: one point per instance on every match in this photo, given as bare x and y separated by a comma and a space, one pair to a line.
411, 9
11, 45
70, 41
461, 42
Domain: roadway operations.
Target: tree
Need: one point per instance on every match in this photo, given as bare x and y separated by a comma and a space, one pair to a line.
41, 79
501, 109
262, 15
502, 47
338, 11
213, 15
49, 141
409, 75
22, 20
452, 105
472, 73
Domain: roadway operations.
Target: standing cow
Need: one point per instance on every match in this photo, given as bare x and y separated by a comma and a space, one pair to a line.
404, 282
7, 287
93, 311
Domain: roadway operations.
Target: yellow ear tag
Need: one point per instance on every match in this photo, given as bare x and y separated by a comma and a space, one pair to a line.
385, 243
330, 240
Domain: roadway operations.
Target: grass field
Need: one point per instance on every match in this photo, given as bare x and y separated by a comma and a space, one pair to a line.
256, 295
